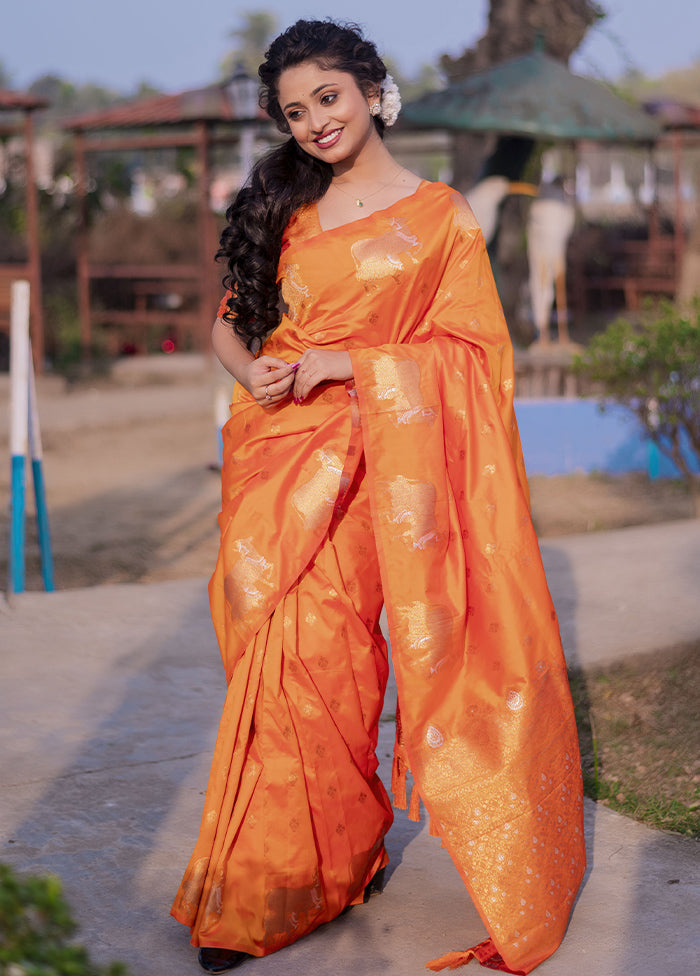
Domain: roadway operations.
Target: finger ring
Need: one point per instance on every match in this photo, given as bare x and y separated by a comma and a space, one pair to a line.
268, 395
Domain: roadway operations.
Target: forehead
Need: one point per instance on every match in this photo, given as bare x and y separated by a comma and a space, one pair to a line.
298, 83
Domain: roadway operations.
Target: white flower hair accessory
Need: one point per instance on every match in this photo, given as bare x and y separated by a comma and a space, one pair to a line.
390, 101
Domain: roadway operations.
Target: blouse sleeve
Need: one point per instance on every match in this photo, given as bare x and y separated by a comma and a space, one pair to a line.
223, 305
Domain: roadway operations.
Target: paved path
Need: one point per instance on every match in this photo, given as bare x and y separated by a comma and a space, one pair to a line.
109, 701
627, 593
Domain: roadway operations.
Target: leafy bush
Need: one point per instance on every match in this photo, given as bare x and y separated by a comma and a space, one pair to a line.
63, 339
653, 369
36, 930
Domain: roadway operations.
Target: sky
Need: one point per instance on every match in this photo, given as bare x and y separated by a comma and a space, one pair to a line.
179, 44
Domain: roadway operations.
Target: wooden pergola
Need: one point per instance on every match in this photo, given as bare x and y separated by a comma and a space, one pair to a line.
199, 119
20, 104
681, 131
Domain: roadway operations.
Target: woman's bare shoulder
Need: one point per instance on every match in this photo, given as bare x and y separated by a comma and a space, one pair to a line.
410, 181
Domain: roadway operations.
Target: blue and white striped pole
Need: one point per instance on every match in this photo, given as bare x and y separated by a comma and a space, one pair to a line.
42, 513
19, 428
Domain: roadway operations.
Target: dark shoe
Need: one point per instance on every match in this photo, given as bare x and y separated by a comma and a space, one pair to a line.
375, 885
220, 960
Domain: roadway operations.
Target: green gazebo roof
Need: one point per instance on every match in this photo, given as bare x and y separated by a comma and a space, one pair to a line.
536, 96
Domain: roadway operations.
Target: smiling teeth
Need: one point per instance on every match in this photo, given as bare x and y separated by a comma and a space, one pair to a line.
324, 139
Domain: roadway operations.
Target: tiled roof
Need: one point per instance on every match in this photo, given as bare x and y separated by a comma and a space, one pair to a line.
674, 115
10, 100
208, 104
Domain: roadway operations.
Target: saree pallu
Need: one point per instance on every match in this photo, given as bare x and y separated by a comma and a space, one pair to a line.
405, 485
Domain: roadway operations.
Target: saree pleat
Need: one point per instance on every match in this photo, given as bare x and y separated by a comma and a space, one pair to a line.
295, 814
405, 485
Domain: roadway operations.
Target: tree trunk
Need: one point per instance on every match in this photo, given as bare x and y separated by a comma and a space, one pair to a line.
689, 283
469, 150
513, 27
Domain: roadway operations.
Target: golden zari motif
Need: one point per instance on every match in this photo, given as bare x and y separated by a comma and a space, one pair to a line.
427, 629
386, 255
463, 215
396, 384
249, 580
314, 500
412, 509
295, 293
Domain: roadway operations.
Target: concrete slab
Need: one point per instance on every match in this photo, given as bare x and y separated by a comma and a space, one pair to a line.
100, 407
110, 702
627, 593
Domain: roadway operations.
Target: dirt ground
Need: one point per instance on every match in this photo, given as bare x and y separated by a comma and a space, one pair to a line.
126, 504
135, 497
640, 738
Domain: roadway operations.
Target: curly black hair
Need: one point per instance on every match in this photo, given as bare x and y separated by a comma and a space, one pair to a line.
287, 178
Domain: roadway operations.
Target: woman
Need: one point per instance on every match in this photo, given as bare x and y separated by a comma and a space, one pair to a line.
372, 457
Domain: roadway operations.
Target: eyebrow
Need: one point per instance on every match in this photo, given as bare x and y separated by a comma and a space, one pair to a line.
314, 92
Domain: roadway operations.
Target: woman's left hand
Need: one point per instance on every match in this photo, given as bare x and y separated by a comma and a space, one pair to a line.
320, 366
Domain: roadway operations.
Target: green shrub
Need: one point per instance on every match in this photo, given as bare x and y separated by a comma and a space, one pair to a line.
653, 369
37, 929
64, 345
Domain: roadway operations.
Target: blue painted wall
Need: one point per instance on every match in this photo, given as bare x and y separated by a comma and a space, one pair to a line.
568, 436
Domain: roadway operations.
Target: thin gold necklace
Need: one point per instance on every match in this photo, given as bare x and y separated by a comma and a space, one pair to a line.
359, 202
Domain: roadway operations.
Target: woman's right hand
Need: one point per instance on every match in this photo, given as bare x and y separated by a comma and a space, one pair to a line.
269, 380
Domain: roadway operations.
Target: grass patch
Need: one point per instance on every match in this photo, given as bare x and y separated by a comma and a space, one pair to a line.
37, 931
640, 739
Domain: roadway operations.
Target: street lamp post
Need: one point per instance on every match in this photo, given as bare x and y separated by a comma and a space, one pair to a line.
243, 93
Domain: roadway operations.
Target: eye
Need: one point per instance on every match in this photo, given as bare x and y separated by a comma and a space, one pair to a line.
294, 115
329, 98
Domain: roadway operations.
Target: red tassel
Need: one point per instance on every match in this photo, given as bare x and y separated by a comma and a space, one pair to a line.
414, 809
486, 953
432, 829
452, 960
398, 783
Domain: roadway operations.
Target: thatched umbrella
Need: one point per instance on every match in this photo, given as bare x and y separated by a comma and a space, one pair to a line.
534, 96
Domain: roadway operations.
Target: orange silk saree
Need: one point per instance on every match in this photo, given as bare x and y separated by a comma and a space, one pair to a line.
406, 487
